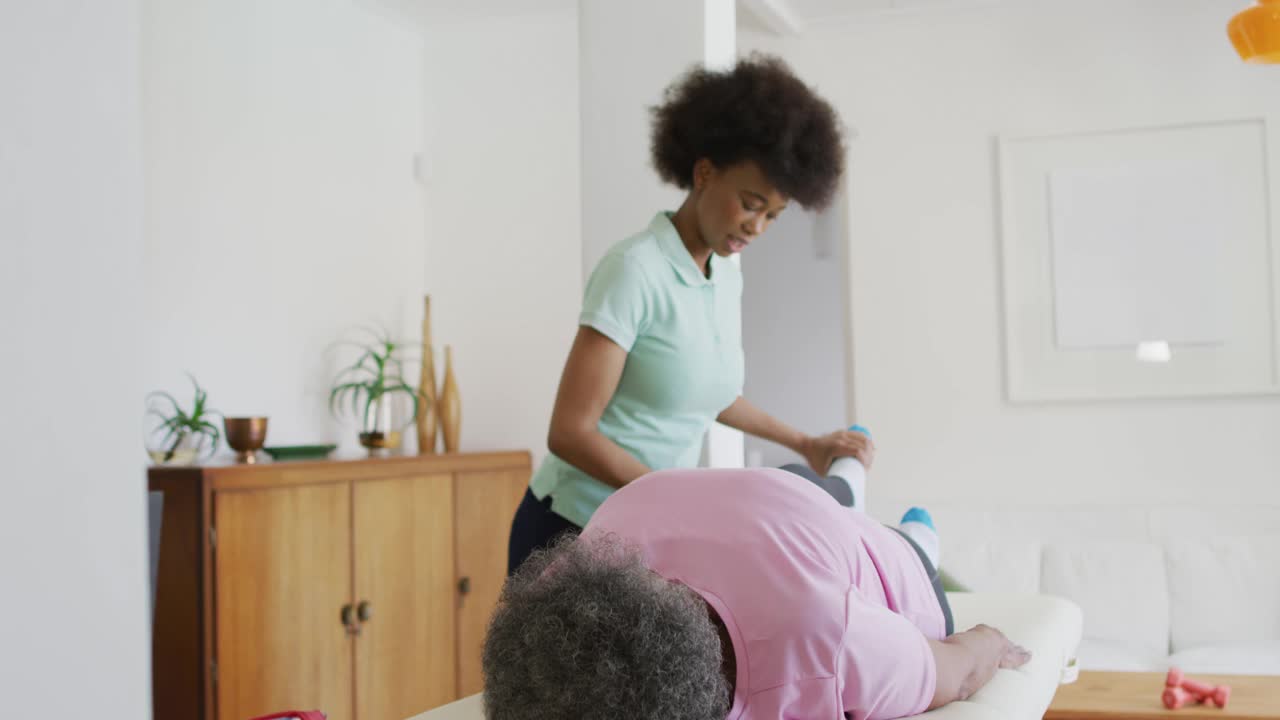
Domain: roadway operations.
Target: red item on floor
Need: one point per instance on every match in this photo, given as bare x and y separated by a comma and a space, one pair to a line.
292, 714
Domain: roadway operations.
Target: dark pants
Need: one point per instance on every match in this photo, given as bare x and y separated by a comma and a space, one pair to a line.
534, 527
839, 487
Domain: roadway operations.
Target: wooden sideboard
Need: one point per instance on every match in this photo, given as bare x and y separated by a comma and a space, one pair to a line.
361, 588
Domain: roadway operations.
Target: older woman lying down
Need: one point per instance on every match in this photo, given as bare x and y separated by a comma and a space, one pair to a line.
744, 593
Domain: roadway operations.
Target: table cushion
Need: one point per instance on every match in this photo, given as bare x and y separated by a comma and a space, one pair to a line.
1048, 626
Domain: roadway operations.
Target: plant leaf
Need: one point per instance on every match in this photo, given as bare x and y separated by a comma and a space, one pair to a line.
366, 355
164, 439
200, 397
352, 374
399, 367
337, 394
335, 399
212, 430
213, 446
165, 396
364, 422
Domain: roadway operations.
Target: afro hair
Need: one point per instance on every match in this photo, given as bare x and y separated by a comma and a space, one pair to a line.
758, 111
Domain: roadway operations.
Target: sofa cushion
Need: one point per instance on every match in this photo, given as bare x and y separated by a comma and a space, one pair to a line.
1006, 566
1242, 659
1103, 655
1208, 521
1224, 591
1120, 585
1070, 524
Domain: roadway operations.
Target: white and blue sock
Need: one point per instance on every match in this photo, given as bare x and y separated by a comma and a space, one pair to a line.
917, 524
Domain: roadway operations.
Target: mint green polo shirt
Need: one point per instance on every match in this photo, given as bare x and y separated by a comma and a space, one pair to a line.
683, 335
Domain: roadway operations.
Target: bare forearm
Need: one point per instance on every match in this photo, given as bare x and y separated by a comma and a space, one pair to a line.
748, 418
596, 455
588, 383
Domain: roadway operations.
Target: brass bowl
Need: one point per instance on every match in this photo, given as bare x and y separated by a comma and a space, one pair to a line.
246, 435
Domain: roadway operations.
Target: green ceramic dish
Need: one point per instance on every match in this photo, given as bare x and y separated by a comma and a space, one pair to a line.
299, 452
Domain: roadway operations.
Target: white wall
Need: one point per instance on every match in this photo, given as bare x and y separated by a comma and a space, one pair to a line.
794, 327
72, 525
928, 92
282, 208
624, 72
503, 239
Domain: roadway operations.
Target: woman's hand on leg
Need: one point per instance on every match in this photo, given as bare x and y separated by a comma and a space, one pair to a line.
819, 451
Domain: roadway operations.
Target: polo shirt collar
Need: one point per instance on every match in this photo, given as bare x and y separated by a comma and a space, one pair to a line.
678, 255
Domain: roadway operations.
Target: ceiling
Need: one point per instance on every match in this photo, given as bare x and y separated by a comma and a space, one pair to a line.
817, 10
792, 16
781, 16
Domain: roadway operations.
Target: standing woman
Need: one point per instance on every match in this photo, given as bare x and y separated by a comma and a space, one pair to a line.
658, 354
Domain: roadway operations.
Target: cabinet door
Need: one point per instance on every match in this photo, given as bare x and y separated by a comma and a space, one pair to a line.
486, 502
282, 562
404, 580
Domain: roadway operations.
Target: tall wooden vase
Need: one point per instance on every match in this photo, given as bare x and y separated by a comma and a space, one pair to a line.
427, 419
450, 405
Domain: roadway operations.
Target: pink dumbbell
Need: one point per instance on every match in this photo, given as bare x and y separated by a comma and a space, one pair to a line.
1175, 697
1201, 692
1219, 694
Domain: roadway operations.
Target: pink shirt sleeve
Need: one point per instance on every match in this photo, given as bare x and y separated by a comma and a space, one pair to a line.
886, 667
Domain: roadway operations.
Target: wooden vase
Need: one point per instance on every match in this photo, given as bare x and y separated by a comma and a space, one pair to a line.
449, 405
428, 424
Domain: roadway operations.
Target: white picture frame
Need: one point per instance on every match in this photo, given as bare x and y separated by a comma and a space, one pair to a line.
1189, 211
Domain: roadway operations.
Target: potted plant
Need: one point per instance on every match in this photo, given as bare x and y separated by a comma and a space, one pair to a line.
369, 385
181, 436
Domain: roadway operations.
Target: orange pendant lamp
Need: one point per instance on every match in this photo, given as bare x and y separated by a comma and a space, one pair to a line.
1256, 32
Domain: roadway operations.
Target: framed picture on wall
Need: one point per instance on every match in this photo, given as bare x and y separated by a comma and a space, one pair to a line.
1151, 237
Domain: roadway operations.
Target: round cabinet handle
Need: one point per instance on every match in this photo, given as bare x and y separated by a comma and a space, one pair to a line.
348, 617
364, 611
464, 585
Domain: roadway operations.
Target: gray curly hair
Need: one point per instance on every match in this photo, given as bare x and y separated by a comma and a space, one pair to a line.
584, 631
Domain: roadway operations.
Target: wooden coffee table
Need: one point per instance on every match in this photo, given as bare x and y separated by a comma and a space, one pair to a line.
1137, 695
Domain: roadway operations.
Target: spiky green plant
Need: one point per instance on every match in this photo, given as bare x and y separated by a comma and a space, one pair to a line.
378, 373
180, 424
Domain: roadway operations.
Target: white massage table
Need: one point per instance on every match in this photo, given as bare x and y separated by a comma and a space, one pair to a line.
1049, 627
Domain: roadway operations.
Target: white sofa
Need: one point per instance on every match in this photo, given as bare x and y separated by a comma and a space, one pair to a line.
1196, 588
1048, 626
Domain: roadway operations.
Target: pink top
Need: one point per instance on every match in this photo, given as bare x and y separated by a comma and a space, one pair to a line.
828, 610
